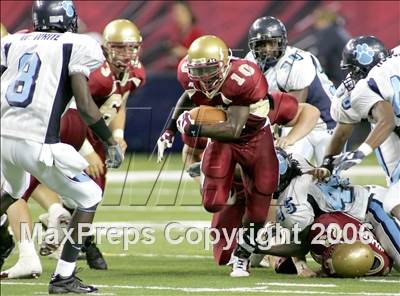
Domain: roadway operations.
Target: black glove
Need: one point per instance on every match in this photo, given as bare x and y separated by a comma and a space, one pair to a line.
327, 163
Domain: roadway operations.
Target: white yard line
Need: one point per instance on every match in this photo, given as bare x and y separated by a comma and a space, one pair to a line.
168, 176
178, 224
295, 285
260, 289
183, 256
381, 281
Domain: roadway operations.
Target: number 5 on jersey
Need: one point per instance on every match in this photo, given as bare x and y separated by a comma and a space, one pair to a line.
20, 92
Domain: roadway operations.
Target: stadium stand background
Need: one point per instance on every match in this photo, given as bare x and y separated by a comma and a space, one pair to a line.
151, 105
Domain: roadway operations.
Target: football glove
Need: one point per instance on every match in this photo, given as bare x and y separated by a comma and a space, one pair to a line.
165, 141
346, 160
183, 123
115, 156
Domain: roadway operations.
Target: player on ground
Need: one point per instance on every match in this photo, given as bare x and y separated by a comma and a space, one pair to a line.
110, 85
301, 200
290, 69
40, 73
372, 92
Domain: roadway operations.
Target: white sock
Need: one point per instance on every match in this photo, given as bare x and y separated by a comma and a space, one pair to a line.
64, 268
26, 248
56, 210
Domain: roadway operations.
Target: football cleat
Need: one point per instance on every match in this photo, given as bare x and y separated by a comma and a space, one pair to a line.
240, 266
26, 267
94, 258
71, 284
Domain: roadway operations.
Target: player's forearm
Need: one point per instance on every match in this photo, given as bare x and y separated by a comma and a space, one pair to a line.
231, 129
340, 136
382, 112
84, 102
88, 110
184, 103
118, 123
304, 122
222, 131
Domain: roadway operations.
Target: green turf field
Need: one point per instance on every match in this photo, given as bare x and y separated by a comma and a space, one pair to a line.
163, 268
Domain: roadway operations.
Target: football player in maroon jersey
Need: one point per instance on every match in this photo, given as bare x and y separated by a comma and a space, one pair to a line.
210, 76
110, 85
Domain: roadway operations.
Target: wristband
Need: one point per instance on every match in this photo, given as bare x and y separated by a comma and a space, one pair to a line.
86, 148
194, 130
101, 130
365, 149
118, 133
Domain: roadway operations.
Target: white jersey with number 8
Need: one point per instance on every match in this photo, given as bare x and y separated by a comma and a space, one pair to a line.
35, 87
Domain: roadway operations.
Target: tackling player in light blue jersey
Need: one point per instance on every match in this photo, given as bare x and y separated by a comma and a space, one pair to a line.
372, 92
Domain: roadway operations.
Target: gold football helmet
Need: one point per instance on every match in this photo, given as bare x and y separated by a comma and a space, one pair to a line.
208, 63
352, 260
122, 42
3, 30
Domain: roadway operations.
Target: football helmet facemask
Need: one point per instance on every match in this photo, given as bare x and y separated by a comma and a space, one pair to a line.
289, 168
267, 41
208, 63
122, 42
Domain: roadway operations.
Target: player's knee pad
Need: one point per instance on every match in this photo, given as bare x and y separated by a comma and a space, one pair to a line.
91, 197
214, 199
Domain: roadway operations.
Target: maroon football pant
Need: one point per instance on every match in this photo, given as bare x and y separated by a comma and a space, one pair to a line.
73, 131
227, 222
257, 159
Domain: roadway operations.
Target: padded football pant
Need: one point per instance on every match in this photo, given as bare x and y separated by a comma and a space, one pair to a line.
257, 159
73, 131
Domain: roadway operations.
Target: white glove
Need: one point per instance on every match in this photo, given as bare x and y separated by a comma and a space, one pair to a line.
165, 141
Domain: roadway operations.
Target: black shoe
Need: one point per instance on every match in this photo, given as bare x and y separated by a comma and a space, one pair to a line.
7, 245
72, 284
94, 258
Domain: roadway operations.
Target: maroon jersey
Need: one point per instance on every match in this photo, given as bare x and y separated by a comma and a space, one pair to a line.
323, 252
110, 92
284, 108
244, 85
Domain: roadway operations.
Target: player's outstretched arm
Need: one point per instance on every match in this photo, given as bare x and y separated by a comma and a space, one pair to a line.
88, 110
340, 136
167, 137
93, 118
303, 123
383, 115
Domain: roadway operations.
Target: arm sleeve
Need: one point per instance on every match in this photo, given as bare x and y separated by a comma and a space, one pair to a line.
285, 108
296, 72
86, 56
363, 99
